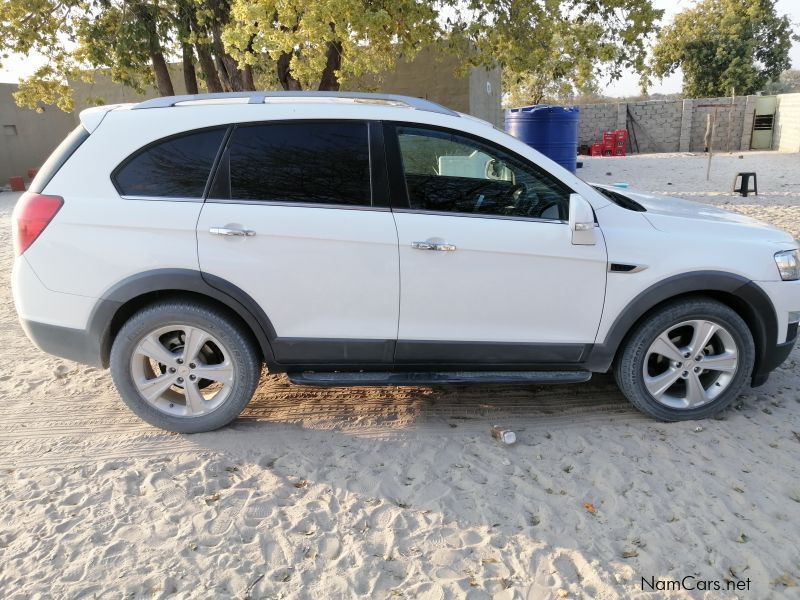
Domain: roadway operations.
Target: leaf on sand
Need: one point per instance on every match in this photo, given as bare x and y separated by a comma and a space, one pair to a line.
785, 581
212, 498
590, 508
301, 484
630, 553
741, 539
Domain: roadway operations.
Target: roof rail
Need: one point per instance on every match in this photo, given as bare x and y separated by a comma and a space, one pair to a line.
261, 97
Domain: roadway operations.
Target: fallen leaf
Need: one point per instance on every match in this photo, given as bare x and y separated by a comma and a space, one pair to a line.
630, 553
212, 498
741, 539
301, 484
785, 581
590, 508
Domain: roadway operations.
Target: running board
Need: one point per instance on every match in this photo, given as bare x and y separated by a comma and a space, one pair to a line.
355, 378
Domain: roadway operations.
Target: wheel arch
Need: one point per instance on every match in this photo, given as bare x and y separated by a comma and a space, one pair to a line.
131, 294
740, 294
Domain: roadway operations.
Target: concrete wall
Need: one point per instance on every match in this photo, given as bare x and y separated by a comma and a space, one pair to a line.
27, 137
728, 128
680, 125
786, 136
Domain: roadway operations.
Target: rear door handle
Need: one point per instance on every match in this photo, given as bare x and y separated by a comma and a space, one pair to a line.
437, 246
227, 231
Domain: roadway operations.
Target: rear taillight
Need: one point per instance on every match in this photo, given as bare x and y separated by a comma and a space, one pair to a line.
32, 214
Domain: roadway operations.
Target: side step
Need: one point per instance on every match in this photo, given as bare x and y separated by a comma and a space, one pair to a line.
355, 378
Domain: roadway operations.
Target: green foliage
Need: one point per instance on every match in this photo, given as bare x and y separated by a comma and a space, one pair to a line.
722, 45
555, 47
350, 37
788, 82
551, 48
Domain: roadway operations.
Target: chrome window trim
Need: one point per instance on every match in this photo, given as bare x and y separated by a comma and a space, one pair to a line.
160, 198
444, 213
291, 204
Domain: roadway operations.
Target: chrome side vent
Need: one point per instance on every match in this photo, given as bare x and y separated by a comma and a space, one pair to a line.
625, 268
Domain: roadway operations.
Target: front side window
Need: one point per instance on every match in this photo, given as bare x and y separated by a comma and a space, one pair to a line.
447, 172
177, 167
307, 162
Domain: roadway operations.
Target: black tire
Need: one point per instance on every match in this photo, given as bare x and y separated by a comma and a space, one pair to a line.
630, 364
244, 358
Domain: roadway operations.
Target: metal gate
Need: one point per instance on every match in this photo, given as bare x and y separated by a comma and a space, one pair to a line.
763, 122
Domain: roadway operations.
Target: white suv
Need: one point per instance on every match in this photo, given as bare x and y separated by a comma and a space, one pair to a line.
360, 239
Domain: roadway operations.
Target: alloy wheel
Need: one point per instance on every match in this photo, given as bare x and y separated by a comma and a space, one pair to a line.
690, 364
182, 370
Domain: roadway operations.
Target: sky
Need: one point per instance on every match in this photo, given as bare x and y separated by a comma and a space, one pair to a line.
15, 67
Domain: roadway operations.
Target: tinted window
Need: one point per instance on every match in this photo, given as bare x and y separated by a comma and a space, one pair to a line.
177, 167
298, 162
452, 173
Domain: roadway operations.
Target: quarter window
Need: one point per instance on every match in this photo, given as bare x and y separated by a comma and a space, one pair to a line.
177, 167
308, 162
447, 172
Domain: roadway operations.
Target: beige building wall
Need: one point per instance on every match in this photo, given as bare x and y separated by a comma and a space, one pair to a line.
27, 137
786, 132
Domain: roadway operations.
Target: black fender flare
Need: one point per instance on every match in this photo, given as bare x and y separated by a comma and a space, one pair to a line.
749, 300
180, 280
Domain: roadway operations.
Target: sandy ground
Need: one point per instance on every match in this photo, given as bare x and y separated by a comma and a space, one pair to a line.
383, 493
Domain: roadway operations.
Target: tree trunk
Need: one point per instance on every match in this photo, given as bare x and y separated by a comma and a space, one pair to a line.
328, 81
247, 79
206, 61
163, 81
189, 74
288, 82
160, 71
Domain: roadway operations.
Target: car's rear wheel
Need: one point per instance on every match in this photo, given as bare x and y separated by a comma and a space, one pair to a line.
184, 367
688, 360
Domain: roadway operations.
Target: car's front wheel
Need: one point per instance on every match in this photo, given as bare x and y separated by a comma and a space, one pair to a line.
184, 367
688, 360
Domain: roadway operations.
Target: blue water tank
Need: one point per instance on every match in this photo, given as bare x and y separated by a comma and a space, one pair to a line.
552, 130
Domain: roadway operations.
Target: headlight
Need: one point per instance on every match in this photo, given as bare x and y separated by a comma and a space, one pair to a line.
788, 263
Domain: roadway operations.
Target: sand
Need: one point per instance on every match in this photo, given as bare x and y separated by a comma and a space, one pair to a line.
384, 493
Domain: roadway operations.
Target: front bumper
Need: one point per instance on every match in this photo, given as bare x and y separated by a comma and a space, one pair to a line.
774, 357
785, 297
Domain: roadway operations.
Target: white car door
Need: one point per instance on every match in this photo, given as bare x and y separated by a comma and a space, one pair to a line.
291, 220
489, 273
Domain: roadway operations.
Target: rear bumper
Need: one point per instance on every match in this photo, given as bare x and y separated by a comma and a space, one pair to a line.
75, 344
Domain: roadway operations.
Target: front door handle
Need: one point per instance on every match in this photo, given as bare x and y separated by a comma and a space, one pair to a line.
437, 246
228, 231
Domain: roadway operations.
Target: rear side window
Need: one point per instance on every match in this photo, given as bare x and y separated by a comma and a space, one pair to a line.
308, 162
177, 167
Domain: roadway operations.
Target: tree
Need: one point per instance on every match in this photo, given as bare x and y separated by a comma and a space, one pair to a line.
724, 45
788, 82
554, 47
133, 39
324, 43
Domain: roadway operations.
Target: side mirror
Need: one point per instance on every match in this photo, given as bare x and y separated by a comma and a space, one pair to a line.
581, 221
